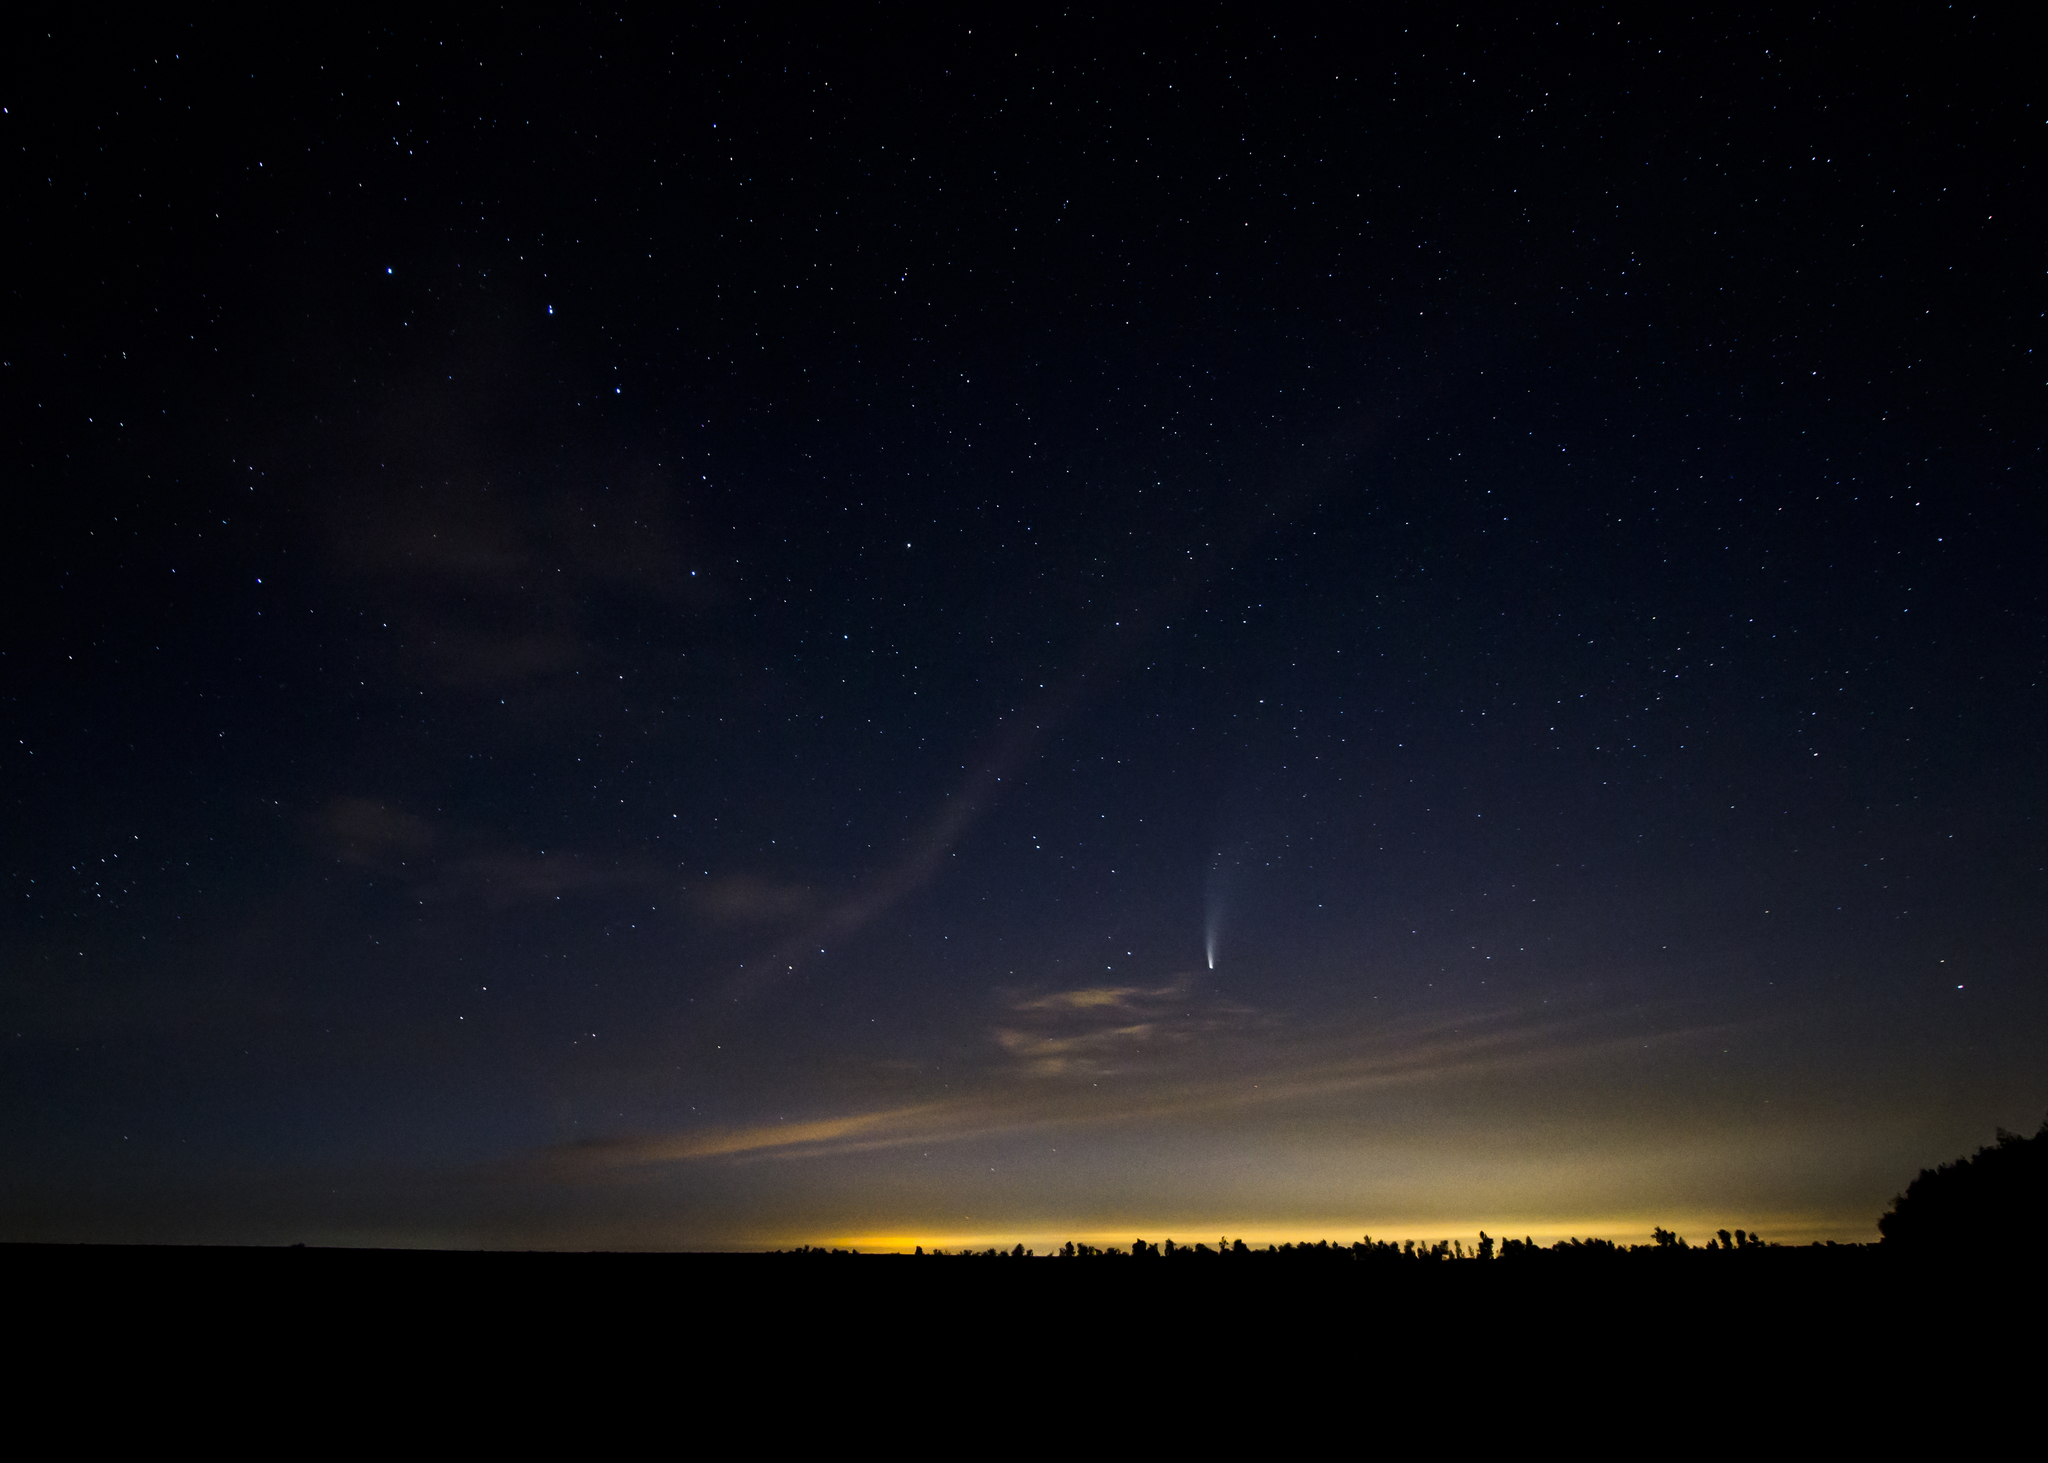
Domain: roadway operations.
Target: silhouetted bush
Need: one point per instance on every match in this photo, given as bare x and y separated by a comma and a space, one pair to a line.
1974, 1203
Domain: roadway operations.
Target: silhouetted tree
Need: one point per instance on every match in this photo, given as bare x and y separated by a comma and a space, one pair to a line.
1975, 1202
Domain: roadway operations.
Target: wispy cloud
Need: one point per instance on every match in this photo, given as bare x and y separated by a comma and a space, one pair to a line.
1222, 1063
1096, 998
894, 1125
468, 656
370, 832
1090, 1030
743, 899
504, 878
446, 862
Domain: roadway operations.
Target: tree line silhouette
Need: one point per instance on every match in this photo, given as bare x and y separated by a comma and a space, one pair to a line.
1951, 1210
1367, 1249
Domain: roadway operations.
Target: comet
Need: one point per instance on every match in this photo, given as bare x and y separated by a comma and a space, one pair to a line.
1213, 904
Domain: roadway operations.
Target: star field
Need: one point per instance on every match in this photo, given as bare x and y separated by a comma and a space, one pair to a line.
652, 634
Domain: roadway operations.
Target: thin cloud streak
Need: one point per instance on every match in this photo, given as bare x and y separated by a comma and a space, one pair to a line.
623, 1153
1268, 1082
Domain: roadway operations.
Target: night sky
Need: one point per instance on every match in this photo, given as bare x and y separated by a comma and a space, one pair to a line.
659, 634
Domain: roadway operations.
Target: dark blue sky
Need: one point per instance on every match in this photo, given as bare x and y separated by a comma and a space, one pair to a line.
660, 634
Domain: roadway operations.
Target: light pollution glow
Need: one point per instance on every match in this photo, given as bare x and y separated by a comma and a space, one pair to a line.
1625, 1229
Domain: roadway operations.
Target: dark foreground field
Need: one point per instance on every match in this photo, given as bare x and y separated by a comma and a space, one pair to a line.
1803, 1344
480, 1292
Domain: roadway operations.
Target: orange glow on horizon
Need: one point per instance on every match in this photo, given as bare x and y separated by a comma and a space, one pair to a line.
1786, 1229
